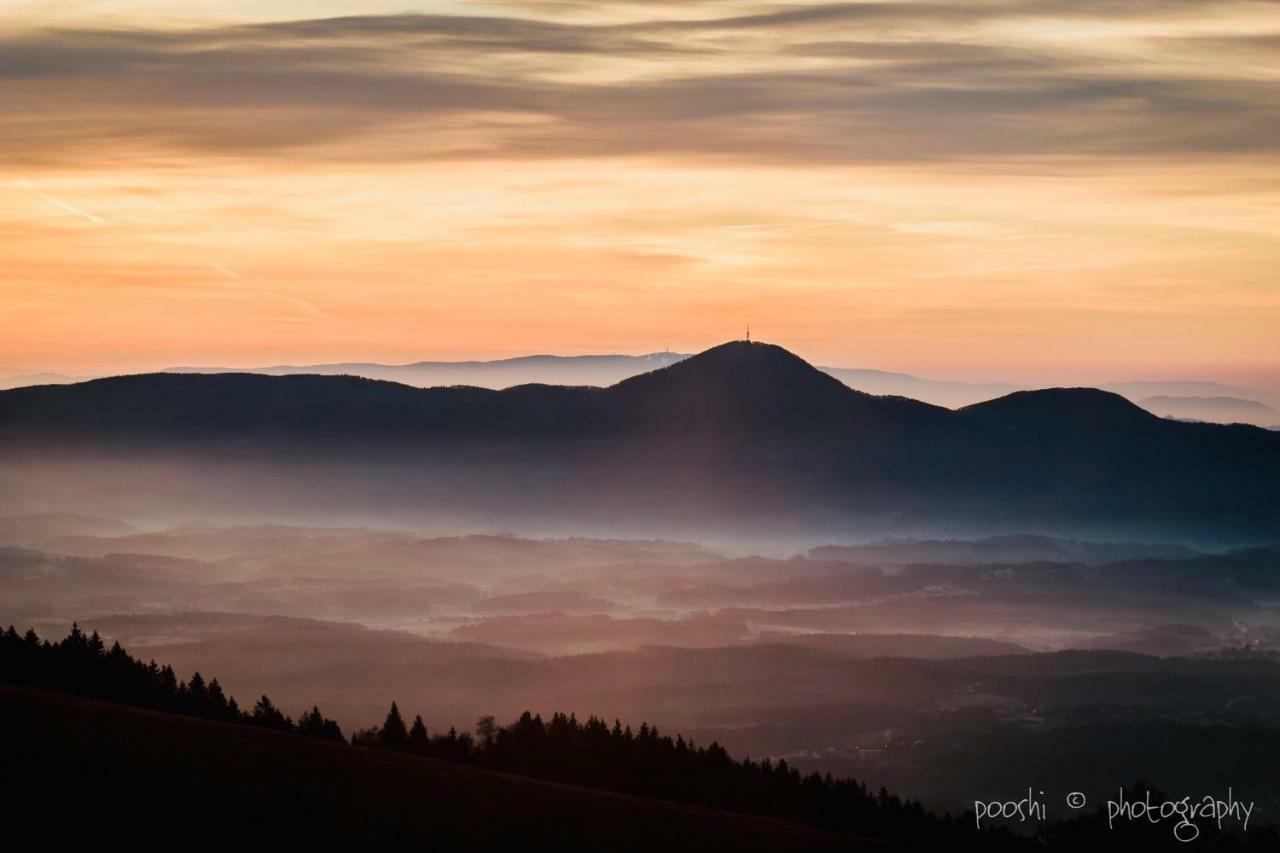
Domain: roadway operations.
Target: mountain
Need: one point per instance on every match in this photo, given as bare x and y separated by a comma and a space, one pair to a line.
604, 370
940, 392
1140, 389
22, 380
1213, 409
1212, 402
601, 370
734, 386
165, 780
743, 431
501, 373
752, 386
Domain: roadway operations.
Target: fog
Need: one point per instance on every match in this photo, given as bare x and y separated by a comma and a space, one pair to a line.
872, 658
445, 491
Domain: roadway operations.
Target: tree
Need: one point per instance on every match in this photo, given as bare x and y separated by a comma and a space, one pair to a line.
168, 686
311, 723
217, 701
197, 696
267, 715
486, 730
315, 724
418, 740
394, 734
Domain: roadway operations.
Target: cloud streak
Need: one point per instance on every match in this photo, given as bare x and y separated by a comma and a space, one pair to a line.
824, 83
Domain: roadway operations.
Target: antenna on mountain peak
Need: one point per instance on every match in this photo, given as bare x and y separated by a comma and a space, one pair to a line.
748, 333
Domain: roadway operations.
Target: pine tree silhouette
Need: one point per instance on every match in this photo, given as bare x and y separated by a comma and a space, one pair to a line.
418, 740
267, 715
393, 734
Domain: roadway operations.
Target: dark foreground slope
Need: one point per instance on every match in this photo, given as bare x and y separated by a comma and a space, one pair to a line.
743, 432
92, 770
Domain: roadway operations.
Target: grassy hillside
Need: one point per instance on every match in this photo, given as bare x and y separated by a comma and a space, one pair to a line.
101, 771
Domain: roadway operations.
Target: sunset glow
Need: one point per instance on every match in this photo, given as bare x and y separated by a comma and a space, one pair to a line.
1034, 191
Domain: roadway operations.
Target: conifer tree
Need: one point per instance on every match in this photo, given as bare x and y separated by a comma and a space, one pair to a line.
418, 740
394, 735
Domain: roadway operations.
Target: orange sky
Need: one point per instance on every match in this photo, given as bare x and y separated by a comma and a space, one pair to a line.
1045, 190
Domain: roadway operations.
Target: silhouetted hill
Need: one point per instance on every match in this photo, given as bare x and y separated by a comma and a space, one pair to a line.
753, 385
86, 771
1060, 409
739, 385
741, 431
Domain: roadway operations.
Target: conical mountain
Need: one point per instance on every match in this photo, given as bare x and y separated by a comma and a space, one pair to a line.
751, 384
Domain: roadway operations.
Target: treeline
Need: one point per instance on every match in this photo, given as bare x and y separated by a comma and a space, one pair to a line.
647, 763
591, 754
82, 665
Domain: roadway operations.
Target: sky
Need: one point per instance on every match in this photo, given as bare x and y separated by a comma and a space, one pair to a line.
1045, 190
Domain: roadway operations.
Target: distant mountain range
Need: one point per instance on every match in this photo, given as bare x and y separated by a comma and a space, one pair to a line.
1211, 409
1187, 400
744, 432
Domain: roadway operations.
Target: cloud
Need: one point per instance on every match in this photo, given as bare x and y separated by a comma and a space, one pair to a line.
829, 83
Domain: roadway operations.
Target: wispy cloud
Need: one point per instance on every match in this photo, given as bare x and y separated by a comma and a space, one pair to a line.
825, 82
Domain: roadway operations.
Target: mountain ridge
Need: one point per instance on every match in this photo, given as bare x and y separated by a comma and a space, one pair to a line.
748, 371
743, 428
602, 370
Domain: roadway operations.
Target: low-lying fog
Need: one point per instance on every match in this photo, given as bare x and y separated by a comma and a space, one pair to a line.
908, 663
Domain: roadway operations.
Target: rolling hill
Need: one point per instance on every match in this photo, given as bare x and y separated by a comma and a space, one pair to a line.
1185, 400
741, 432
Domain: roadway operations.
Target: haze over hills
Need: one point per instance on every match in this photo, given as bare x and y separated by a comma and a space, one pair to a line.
1189, 400
740, 434
1212, 409
501, 373
936, 668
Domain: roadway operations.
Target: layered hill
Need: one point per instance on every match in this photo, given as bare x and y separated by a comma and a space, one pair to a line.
742, 431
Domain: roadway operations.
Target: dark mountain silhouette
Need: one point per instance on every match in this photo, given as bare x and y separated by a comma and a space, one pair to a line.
735, 385
1060, 409
1185, 400
751, 386
742, 430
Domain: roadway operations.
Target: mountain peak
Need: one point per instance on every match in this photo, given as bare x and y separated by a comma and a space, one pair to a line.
741, 383
749, 367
